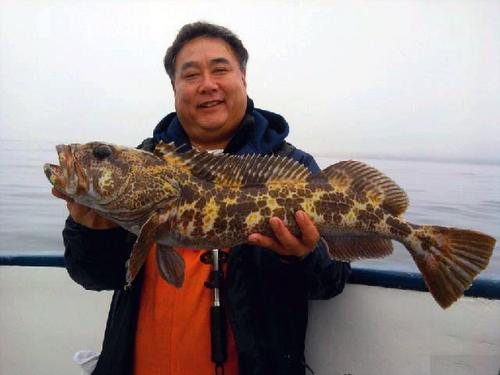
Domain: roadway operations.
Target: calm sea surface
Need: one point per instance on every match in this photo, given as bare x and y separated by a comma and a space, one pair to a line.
450, 194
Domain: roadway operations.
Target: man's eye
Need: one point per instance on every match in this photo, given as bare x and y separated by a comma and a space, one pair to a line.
220, 70
191, 75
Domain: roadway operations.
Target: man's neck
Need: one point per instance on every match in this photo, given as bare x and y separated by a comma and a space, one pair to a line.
209, 146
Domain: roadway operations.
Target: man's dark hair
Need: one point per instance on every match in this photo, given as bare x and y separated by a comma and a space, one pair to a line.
194, 30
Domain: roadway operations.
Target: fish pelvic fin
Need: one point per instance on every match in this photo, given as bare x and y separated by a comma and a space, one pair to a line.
449, 259
170, 265
348, 248
364, 179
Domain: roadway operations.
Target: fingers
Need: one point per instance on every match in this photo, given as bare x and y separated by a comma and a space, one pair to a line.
291, 244
78, 211
286, 243
99, 222
310, 234
75, 210
89, 217
267, 242
84, 215
60, 195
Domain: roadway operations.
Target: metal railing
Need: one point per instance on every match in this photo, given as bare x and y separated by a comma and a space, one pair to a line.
481, 287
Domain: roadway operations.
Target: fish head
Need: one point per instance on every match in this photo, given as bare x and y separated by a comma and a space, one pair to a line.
92, 169
110, 177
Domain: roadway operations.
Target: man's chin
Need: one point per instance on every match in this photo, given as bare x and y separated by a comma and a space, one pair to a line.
211, 123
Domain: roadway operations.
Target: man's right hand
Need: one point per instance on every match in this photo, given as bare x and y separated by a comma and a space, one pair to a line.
84, 215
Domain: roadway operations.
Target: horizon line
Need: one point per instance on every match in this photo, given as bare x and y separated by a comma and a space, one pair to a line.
353, 155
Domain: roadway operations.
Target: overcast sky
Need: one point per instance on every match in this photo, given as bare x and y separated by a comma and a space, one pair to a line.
372, 78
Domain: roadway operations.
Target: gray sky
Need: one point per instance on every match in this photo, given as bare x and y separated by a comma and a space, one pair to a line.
353, 78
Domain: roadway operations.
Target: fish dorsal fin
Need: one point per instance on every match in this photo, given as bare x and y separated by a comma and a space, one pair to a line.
377, 187
233, 170
170, 153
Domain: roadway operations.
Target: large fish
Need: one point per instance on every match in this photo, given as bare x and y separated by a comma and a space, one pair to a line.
199, 200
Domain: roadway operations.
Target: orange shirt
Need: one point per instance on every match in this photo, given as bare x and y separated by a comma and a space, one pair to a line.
173, 328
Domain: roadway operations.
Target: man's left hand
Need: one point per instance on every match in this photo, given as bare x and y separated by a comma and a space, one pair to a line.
286, 244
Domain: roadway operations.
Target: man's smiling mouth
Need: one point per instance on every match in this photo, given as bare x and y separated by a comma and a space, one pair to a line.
211, 103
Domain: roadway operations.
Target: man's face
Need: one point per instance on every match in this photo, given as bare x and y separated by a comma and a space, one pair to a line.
210, 91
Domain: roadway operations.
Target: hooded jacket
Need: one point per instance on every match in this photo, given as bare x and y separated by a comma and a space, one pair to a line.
266, 298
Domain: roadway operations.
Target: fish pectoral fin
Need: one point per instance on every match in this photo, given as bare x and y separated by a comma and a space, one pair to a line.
142, 245
170, 265
348, 248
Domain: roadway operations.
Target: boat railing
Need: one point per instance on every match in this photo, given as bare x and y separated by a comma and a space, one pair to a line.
481, 287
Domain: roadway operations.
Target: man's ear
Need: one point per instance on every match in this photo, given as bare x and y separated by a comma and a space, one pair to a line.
172, 82
244, 78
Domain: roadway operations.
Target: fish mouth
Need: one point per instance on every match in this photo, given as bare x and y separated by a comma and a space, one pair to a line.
54, 174
67, 177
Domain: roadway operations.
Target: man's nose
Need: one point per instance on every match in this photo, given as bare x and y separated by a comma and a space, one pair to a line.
208, 84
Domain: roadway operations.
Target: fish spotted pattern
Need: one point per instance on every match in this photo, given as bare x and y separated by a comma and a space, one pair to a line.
199, 200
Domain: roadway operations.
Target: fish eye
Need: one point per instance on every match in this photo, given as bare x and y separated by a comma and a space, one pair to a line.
101, 152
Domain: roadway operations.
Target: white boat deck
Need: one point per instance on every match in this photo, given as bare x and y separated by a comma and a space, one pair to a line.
45, 318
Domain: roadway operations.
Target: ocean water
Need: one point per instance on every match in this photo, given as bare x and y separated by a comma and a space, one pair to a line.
442, 193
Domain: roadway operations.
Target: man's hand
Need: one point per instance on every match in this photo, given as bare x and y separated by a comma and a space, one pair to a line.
84, 215
287, 244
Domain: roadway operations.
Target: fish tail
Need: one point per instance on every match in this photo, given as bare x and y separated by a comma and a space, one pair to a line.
449, 259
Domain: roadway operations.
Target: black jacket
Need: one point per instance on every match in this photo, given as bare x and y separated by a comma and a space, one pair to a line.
266, 298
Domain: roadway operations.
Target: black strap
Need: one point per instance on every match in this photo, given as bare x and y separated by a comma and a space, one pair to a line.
218, 329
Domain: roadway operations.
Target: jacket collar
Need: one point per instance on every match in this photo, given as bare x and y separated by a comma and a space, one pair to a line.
259, 132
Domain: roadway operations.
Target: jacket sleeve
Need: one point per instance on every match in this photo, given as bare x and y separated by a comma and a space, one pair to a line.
96, 259
323, 277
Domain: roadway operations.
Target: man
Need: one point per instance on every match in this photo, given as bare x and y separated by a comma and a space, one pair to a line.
154, 328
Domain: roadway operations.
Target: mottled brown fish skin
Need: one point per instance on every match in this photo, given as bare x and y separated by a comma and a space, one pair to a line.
224, 217
199, 200
125, 187
345, 214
